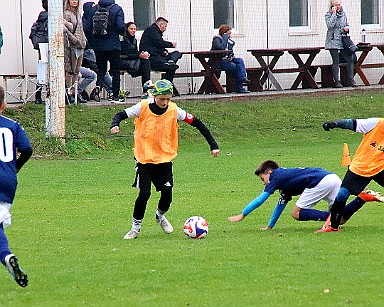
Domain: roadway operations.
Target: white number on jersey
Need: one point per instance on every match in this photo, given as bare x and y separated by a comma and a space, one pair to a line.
6, 145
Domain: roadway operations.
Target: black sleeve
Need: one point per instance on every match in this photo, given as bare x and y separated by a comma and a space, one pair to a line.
205, 132
118, 118
23, 158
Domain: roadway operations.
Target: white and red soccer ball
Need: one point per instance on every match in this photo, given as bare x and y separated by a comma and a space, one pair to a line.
196, 227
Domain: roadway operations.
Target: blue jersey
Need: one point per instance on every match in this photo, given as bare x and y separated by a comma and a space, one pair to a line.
293, 181
12, 139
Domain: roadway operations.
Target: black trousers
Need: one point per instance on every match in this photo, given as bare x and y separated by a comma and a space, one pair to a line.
102, 59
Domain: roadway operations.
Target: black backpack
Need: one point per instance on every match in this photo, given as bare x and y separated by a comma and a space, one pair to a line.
100, 20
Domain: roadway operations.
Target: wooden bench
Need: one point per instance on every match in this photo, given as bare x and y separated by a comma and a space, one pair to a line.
253, 75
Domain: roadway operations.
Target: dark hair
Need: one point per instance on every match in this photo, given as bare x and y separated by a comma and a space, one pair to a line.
2, 95
161, 19
268, 165
224, 29
129, 24
44, 3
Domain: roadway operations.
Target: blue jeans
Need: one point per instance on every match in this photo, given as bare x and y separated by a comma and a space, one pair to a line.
87, 77
236, 67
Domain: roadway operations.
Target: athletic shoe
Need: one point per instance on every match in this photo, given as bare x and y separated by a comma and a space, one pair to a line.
369, 195
117, 100
148, 85
132, 234
327, 222
95, 94
328, 229
165, 225
14, 269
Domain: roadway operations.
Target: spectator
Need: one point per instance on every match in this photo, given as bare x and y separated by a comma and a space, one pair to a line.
74, 43
134, 62
87, 76
39, 34
230, 63
16, 151
152, 42
337, 24
89, 60
107, 47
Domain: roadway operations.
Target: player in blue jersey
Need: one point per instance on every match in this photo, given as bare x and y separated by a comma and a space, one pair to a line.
312, 184
13, 140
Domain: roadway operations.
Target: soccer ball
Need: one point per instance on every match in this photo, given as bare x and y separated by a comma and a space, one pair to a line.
196, 227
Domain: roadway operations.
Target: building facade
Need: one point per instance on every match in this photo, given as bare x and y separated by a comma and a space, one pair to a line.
193, 23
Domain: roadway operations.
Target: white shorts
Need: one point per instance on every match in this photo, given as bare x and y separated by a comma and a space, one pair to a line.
326, 189
5, 215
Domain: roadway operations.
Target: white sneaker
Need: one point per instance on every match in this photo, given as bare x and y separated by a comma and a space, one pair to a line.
132, 234
15, 270
165, 225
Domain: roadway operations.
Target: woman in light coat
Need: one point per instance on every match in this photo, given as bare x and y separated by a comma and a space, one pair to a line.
337, 25
74, 45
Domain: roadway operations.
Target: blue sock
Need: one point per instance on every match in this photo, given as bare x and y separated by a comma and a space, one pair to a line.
312, 215
352, 207
4, 249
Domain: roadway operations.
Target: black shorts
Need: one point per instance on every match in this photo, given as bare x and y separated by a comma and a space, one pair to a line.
159, 174
356, 183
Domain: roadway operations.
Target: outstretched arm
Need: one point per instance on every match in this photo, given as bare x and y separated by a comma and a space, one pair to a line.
254, 204
115, 126
275, 215
343, 124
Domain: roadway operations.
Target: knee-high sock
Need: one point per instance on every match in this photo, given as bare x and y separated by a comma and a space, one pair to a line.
4, 249
312, 215
352, 207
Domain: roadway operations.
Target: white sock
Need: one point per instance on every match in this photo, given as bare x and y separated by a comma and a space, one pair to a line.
136, 223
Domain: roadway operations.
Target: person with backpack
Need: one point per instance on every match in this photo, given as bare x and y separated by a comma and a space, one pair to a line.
39, 34
102, 28
89, 60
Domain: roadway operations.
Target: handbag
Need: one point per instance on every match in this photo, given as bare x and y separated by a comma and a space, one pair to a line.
133, 66
348, 44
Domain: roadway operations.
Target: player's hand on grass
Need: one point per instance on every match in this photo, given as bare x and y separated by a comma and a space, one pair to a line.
328, 126
115, 129
266, 228
215, 152
236, 218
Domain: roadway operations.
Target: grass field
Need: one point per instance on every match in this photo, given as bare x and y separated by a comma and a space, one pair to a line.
74, 205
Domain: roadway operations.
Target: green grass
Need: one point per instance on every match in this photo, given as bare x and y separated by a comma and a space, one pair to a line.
74, 206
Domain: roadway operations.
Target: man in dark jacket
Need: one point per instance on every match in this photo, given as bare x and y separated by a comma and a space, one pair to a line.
152, 41
107, 48
39, 34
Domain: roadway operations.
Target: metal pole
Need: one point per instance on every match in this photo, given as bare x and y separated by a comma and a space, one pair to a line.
55, 105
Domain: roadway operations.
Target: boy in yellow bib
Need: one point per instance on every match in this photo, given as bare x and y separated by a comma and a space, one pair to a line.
155, 146
367, 164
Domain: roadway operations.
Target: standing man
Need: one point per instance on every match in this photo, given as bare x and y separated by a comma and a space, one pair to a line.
102, 29
367, 163
155, 146
161, 59
14, 140
39, 34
